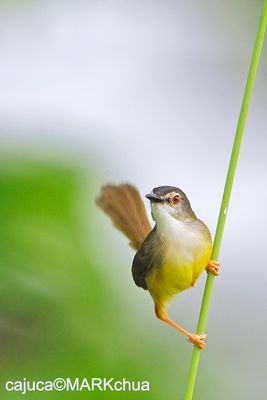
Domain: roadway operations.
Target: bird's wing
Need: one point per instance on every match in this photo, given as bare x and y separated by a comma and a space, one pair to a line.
124, 205
146, 258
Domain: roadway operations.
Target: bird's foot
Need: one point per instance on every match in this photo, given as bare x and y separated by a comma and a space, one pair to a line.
213, 267
197, 340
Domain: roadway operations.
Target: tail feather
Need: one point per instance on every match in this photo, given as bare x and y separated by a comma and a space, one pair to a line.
123, 204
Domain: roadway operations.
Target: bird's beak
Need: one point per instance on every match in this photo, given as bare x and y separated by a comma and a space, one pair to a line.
154, 197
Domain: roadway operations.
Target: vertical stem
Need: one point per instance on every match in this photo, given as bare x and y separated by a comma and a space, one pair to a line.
226, 195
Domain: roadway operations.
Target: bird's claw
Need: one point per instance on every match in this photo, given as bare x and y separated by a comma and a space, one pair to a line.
213, 267
197, 340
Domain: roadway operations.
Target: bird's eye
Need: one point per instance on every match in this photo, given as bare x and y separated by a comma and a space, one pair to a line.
175, 199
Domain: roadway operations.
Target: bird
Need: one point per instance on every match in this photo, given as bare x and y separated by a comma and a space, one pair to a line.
169, 257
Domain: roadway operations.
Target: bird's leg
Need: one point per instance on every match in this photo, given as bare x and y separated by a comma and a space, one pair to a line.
192, 337
213, 267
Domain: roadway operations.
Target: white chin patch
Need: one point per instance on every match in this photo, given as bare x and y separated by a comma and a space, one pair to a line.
160, 212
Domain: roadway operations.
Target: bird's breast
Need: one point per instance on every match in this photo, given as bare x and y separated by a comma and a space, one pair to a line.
185, 253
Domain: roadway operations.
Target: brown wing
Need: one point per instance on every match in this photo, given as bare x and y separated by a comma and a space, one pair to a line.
123, 204
147, 257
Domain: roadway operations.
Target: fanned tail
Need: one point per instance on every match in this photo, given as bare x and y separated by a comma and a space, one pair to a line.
123, 204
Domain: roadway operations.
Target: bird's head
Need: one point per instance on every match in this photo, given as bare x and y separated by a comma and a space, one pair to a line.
170, 201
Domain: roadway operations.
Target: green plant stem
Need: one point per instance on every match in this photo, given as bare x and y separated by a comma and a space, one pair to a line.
226, 195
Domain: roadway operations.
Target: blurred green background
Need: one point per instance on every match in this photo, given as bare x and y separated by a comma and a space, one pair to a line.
146, 92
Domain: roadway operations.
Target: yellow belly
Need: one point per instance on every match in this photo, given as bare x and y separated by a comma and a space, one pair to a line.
178, 272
